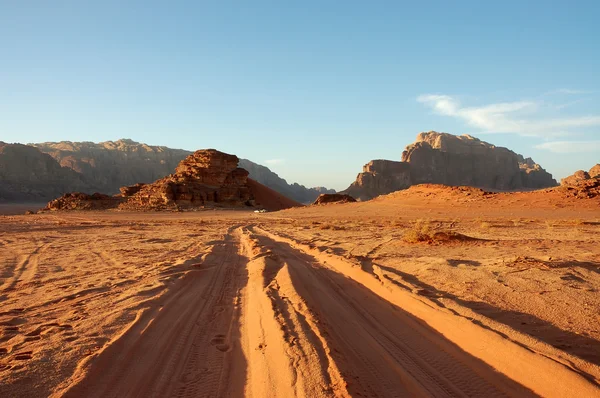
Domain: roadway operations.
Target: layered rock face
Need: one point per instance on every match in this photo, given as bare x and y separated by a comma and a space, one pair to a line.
107, 166
380, 177
441, 158
26, 174
205, 178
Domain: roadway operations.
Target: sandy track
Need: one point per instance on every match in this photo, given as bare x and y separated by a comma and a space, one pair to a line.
178, 347
376, 348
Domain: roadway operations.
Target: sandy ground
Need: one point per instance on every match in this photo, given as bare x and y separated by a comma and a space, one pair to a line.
499, 299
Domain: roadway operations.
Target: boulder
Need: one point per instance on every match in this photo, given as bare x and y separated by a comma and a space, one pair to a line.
595, 171
575, 178
82, 201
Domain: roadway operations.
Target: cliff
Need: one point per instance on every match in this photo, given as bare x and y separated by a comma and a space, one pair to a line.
442, 158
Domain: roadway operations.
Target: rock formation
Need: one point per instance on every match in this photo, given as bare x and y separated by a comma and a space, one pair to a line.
108, 166
327, 198
583, 184
206, 178
441, 158
27, 175
595, 171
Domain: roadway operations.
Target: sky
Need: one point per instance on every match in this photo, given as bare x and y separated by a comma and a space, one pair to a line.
311, 89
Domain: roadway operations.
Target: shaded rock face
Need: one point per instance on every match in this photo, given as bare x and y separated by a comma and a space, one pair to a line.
293, 191
327, 198
205, 178
107, 166
26, 174
380, 177
440, 158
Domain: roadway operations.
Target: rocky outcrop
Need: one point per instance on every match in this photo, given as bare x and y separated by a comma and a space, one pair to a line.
294, 191
441, 158
82, 201
380, 177
575, 178
595, 171
205, 178
583, 184
27, 175
327, 198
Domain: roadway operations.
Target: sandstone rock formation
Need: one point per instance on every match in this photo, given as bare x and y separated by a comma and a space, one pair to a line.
27, 175
205, 178
583, 184
82, 201
108, 166
441, 158
575, 178
327, 198
595, 171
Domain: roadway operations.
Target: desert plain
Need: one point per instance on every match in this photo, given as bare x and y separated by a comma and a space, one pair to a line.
431, 291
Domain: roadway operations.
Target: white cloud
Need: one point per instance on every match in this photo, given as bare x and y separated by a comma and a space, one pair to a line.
568, 91
274, 161
570, 146
506, 117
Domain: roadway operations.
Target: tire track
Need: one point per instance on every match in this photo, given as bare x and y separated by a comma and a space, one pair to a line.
179, 346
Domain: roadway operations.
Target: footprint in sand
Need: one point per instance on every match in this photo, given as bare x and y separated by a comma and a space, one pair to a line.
219, 342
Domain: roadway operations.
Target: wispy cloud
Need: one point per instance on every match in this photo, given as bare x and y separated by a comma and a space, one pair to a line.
274, 161
568, 91
570, 146
507, 117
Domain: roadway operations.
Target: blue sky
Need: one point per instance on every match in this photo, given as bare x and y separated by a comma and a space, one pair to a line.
312, 89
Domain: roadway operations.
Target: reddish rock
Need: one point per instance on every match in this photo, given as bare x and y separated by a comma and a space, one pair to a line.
205, 178
82, 201
575, 178
327, 198
595, 171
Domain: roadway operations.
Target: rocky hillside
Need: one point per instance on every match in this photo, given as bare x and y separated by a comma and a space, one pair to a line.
107, 166
27, 175
441, 158
294, 191
206, 178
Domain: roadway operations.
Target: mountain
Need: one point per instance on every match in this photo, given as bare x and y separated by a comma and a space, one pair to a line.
28, 175
107, 166
442, 158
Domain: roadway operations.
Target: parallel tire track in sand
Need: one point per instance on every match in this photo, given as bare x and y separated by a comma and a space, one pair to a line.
263, 316
379, 349
178, 347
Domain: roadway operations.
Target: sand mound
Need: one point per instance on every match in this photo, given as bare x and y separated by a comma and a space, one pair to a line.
269, 199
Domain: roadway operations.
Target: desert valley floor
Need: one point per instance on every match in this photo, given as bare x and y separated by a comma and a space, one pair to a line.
426, 292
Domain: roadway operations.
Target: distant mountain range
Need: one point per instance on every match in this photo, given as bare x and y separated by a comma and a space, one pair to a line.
44, 171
